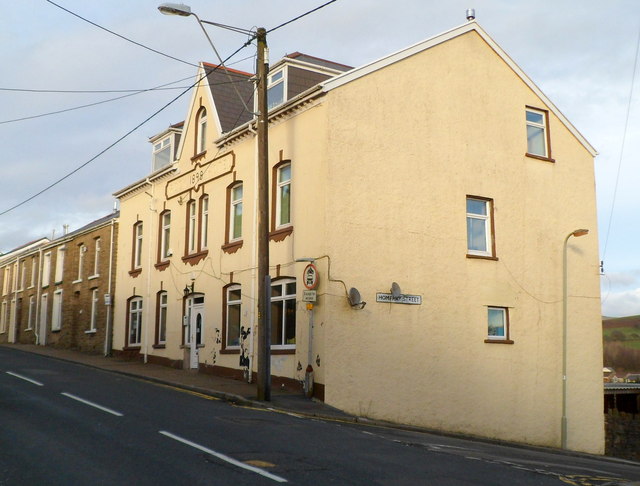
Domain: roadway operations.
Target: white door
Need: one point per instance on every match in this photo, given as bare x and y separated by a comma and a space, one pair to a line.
195, 327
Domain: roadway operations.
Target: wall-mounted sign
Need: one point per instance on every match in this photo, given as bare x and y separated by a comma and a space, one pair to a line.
309, 296
310, 277
401, 299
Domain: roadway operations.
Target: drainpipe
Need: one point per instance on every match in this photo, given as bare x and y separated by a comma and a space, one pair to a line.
147, 307
108, 336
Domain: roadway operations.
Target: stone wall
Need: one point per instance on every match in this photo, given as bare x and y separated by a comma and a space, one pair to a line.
622, 435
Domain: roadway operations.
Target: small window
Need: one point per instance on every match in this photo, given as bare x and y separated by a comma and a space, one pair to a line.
236, 213
283, 202
162, 153
233, 297
201, 142
137, 245
498, 325
204, 222
191, 227
134, 337
165, 235
537, 133
275, 89
479, 227
283, 314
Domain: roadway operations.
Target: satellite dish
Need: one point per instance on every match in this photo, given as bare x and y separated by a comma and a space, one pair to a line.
395, 290
354, 298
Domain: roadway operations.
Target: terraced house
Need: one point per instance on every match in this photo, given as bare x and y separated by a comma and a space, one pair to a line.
433, 192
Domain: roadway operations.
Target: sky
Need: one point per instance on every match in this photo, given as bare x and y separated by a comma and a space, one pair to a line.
582, 55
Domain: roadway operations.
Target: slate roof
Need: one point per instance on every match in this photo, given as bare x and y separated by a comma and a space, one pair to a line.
231, 111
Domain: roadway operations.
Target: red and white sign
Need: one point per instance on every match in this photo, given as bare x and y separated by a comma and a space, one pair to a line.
310, 276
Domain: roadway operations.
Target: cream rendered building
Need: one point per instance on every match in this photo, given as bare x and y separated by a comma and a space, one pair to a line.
439, 182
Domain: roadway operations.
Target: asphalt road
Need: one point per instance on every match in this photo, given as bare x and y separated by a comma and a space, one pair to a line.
67, 424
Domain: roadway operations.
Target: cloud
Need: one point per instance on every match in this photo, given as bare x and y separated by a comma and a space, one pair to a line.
620, 304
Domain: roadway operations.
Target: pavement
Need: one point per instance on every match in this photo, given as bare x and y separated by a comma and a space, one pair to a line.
228, 389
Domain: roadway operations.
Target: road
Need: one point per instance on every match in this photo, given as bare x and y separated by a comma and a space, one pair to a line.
68, 424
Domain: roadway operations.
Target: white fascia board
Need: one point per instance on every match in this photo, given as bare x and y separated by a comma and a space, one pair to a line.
357, 73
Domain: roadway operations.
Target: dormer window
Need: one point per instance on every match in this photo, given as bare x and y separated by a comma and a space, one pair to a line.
161, 153
275, 89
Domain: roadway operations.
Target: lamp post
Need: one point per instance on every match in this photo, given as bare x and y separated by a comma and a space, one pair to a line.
264, 287
563, 425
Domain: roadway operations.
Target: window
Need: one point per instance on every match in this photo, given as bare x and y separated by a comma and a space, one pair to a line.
96, 257
94, 310
233, 298
204, 221
275, 89
46, 269
165, 235
5, 281
34, 271
201, 141
23, 274
283, 314
135, 322
137, 245
32, 313
56, 317
60, 264
81, 251
191, 227
162, 153
537, 133
283, 202
498, 325
161, 318
3, 318
44, 310
235, 230
479, 227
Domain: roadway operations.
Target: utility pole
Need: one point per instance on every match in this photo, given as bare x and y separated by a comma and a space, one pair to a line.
264, 290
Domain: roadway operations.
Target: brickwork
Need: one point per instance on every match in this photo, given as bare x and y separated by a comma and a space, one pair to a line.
622, 435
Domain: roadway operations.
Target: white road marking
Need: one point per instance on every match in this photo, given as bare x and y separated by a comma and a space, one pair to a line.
24, 378
91, 404
228, 459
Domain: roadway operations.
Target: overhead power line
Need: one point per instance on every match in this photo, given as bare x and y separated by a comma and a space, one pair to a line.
300, 16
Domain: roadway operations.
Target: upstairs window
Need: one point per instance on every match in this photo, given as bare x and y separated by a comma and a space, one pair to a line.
479, 227
498, 325
137, 246
81, 251
165, 235
235, 230
538, 133
275, 89
283, 201
162, 153
201, 138
204, 222
96, 257
191, 227
59, 264
46, 269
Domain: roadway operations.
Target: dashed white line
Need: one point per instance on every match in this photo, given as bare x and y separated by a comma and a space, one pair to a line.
24, 378
222, 457
91, 404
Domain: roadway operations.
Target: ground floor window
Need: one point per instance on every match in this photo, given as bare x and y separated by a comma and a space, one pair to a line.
56, 317
135, 321
94, 310
233, 309
283, 314
498, 325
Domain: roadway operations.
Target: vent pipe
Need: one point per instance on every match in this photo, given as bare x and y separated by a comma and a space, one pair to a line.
471, 14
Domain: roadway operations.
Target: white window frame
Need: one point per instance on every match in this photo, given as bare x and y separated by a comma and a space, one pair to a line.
32, 313
135, 318
235, 205
202, 132
5, 280
274, 80
538, 128
192, 227
3, 317
204, 222
46, 269
287, 299
228, 304
159, 147
23, 274
504, 312
283, 185
82, 249
93, 321
44, 310
137, 245
96, 257
487, 224
56, 316
165, 235
60, 254
34, 272
163, 309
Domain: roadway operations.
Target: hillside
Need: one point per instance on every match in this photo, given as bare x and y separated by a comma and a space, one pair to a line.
622, 343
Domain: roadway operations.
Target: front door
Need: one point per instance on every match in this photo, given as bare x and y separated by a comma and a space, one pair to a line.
194, 328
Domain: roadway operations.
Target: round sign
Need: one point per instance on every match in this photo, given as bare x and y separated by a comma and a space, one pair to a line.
310, 276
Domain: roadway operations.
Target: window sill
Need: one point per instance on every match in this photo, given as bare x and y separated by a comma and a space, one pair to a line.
232, 247
93, 276
77, 281
161, 266
55, 330
188, 346
230, 351
498, 341
280, 234
540, 157
159, 346
283, 351
135, 347
198, 156
482, 257
29, 329
91, 331
135, 273
195, 258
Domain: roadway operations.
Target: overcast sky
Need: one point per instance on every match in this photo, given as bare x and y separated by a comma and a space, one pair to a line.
580, 53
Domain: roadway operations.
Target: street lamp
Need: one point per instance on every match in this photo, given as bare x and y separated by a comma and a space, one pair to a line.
563, 426
264, 286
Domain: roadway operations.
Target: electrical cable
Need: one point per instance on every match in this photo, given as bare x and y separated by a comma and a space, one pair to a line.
120, 36
300, 16
110, 146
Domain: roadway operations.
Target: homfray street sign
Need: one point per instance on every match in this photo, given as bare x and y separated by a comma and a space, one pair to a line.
401, 299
